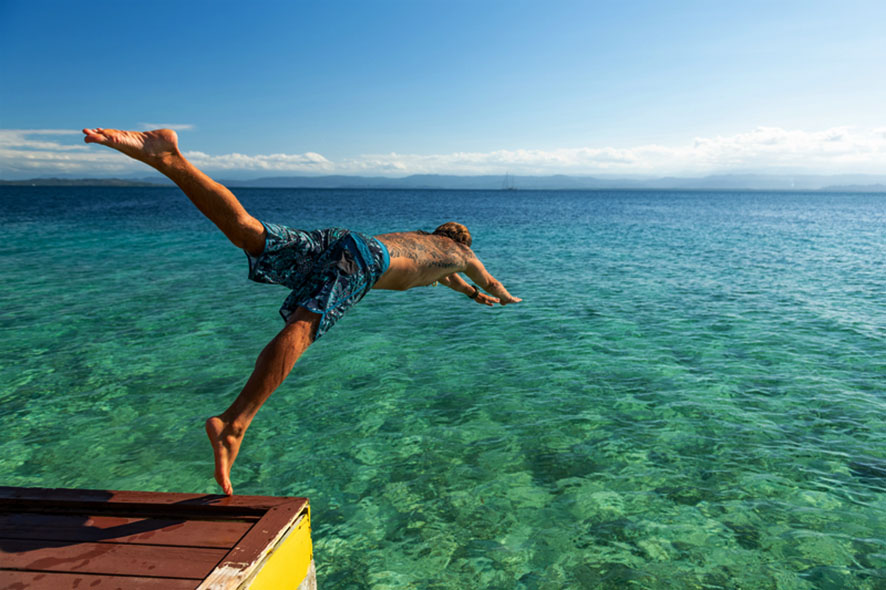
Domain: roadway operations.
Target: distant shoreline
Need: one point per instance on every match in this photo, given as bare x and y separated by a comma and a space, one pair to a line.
79, 182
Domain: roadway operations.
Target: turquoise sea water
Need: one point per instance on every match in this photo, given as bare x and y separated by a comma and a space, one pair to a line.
691, 394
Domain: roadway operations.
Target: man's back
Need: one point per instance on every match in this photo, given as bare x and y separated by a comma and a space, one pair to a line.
419, 259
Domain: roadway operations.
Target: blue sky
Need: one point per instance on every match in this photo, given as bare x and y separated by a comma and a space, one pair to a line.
467, 87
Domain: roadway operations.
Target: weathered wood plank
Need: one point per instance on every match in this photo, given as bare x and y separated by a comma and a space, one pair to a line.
247, 557
265, 533
79, 528
310, 581
220, 540
17, 580
110, 558
108, 497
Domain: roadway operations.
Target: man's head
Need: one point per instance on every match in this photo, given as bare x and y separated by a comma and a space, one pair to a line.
456, 231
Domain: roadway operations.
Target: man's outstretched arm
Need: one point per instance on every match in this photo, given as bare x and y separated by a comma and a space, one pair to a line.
478, 273
456, 283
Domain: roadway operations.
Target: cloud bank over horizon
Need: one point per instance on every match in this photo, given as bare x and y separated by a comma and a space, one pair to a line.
26, 153
173, 126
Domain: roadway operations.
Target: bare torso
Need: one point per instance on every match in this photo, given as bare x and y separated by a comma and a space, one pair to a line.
420, 259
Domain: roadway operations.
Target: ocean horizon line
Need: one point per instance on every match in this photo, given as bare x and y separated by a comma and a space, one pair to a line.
721, 182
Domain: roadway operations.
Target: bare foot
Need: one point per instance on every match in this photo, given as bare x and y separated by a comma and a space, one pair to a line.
225, 446
150, 147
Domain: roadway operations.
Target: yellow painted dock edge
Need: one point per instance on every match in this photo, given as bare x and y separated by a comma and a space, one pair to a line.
290, 566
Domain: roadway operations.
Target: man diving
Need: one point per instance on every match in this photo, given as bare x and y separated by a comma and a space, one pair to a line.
328, 271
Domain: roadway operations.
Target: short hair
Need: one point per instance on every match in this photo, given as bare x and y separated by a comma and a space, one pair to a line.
455, 231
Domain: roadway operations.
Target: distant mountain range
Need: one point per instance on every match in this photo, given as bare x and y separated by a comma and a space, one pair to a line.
841, 183
78, 182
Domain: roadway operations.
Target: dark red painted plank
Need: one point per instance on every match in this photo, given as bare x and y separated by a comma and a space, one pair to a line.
259, 538
14, 580
70, 527
109, 497
110, 558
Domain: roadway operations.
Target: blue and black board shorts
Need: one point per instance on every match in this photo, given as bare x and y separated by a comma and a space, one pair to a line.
328, 270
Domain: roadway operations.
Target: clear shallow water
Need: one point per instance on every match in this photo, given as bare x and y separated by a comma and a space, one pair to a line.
691, 395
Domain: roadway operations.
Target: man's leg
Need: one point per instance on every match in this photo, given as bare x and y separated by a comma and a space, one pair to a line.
159, 149
226, 430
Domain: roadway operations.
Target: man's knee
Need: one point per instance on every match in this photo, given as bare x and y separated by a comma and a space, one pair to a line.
305, 317
302, 325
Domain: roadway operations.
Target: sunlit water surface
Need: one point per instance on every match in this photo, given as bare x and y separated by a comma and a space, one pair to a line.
690, 396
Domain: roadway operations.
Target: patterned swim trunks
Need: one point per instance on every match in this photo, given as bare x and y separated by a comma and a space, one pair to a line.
328, 270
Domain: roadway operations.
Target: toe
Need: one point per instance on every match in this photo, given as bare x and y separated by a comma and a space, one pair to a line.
91, 136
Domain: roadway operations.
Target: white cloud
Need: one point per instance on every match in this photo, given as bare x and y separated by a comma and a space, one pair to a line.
34, 152
24, 139
173, 126
839, 150
764, 149
307, 162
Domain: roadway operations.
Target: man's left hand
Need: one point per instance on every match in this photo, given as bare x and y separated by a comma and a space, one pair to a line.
485, 299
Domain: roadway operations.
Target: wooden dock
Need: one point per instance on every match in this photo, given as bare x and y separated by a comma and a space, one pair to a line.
53, 539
